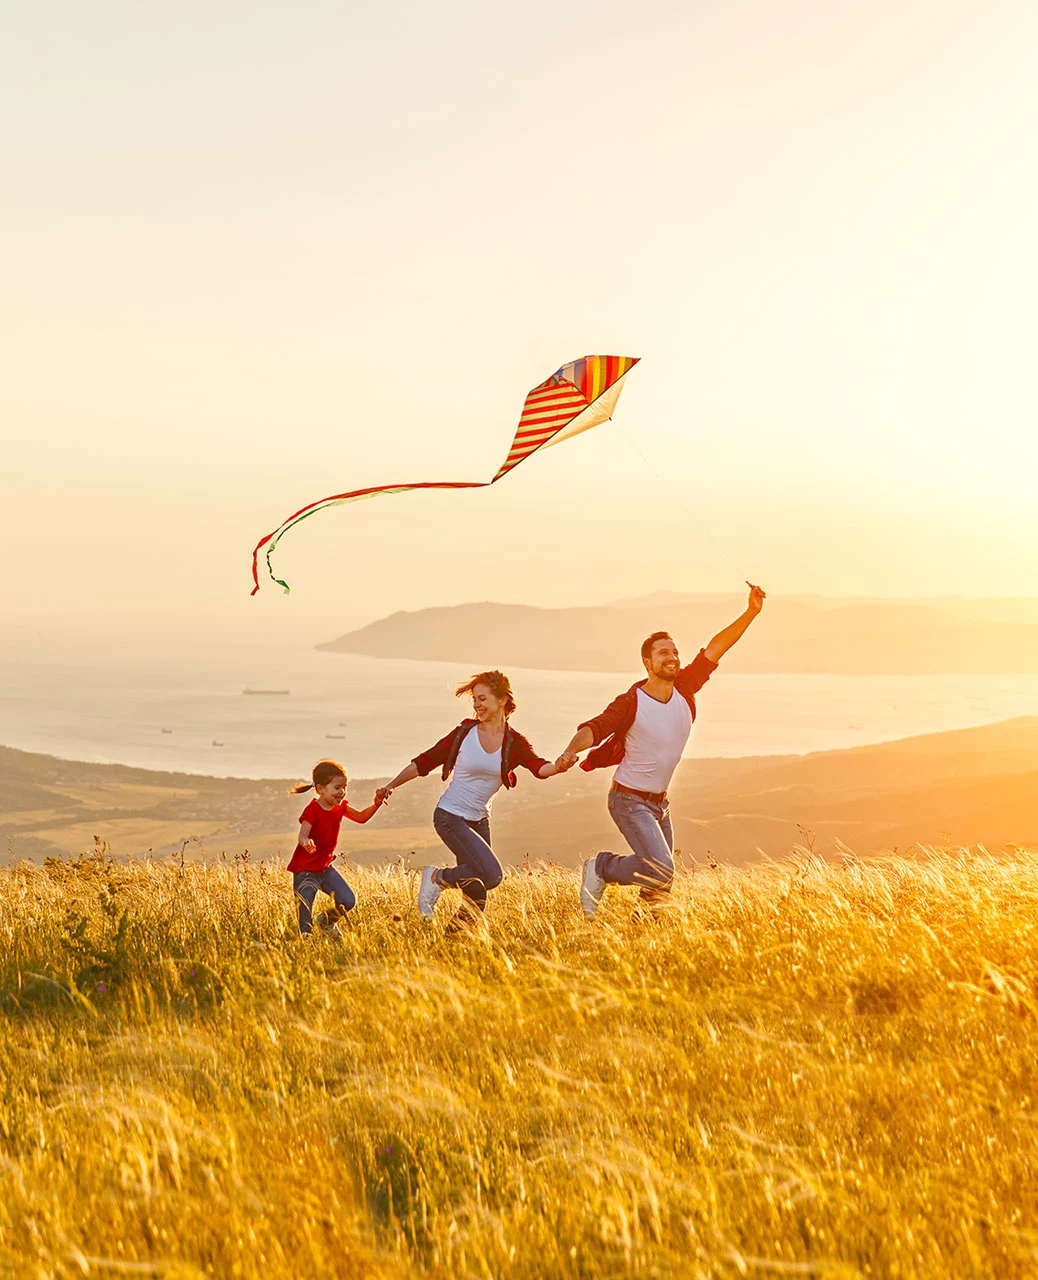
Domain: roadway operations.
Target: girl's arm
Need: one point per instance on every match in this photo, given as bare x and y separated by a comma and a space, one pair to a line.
407, 774
304, 838
362, 815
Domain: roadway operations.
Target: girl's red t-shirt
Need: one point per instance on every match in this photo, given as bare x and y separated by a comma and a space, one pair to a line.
324, 832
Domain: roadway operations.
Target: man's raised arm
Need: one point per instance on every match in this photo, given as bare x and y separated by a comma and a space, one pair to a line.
724, 640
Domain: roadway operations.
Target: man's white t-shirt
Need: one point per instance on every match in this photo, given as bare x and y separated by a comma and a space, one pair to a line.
476, 777
654, 742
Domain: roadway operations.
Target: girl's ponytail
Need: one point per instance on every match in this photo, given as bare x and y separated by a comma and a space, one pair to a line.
324, 771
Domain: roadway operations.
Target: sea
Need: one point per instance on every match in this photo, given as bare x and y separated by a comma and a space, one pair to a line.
173, 698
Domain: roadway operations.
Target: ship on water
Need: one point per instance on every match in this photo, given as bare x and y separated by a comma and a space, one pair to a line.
267, 693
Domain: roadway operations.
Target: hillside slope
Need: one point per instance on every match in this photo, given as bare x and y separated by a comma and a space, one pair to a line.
971, 786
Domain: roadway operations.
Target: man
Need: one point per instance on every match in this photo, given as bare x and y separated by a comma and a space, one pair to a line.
643, 733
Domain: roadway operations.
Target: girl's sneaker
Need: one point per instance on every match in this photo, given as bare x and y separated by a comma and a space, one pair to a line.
428, 893
330, 927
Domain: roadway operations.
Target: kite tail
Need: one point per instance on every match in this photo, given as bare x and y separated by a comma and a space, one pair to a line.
337, 500
272, 539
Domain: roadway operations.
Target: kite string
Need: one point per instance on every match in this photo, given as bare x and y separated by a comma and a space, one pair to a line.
681, 501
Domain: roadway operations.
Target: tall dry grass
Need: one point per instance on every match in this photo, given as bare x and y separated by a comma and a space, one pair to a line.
802, 1070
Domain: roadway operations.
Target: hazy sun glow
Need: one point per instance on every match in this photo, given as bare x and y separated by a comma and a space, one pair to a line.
257, 254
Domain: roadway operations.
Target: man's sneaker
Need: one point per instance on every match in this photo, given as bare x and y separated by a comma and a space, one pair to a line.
428, 893
592, 886
328, 926
467, 920
653, 910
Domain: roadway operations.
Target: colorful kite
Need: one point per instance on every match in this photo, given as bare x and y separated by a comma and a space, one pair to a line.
578, 396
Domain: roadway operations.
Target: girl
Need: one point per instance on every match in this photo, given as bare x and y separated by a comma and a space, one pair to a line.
482, 753
311, 864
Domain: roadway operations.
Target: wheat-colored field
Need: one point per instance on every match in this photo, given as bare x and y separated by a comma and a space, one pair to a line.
802, 1069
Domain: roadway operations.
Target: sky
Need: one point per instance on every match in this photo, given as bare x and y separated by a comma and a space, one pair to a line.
254, 254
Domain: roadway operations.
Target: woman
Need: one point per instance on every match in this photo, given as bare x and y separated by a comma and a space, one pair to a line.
479, 757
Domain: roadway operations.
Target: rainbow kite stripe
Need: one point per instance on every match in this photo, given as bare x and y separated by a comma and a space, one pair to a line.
575, 398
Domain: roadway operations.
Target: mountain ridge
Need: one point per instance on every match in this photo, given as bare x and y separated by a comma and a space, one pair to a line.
790, 637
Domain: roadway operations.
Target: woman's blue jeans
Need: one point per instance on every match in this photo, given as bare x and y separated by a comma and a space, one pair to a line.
305, 885
646, 827
478, 868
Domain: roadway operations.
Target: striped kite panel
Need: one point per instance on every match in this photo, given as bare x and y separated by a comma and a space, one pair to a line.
547, 410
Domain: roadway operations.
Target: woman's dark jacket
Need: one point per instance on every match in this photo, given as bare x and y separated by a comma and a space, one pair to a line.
515, 751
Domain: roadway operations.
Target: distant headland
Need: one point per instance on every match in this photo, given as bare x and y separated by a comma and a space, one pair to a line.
802, 635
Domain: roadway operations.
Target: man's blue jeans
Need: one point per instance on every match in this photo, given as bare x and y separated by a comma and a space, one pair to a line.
478, 868
305, 885
646, 827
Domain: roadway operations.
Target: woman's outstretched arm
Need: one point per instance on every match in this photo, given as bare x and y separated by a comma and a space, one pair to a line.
549, 769
407, 774
529, 759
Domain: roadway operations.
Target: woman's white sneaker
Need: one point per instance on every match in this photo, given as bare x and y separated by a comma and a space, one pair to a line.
592, 886
428, 893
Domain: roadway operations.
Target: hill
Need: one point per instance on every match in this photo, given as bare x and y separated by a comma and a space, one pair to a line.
792, 636
971, 786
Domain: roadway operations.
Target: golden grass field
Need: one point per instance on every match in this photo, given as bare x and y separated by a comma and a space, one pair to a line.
802, 1070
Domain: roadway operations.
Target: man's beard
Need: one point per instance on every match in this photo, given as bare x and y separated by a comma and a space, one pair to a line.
670, 674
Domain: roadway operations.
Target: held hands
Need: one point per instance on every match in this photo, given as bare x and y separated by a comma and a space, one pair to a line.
382, 795
566, 761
